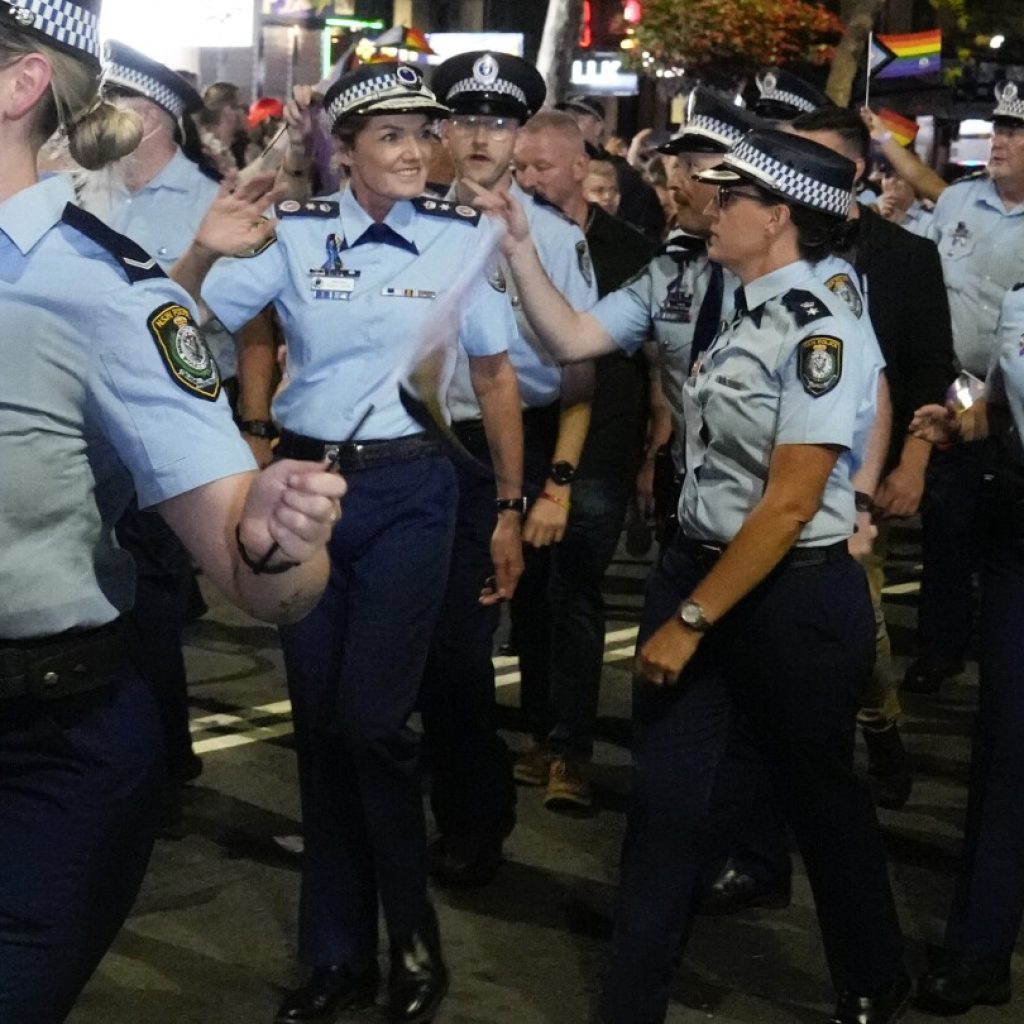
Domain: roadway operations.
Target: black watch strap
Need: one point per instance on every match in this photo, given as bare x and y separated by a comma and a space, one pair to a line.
510, 505
258, 428
862, 501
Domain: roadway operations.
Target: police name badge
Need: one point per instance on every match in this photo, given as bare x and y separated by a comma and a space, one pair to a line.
821, 364
185, 354
333, 285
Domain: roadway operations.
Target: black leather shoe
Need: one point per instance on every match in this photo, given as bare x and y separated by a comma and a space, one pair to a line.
734, 890
419, 978
464, 862
956, 983
883, 1007
889, 777
327, 992
927, 677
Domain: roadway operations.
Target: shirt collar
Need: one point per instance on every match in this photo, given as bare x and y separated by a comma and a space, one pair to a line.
990, 197
30, 213
753, 296
175, 174
355, 220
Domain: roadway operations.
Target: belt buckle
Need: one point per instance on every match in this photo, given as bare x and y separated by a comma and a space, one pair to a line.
332, 453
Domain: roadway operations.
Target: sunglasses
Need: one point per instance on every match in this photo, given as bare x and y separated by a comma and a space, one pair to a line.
728, 193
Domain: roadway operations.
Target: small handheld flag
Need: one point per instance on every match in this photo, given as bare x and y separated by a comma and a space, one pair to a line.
903, 130
916, 53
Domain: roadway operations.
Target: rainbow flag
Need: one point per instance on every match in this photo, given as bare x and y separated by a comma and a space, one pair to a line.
917, 53
904, 131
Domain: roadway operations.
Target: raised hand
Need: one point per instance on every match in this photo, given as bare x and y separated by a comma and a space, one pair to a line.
235, 222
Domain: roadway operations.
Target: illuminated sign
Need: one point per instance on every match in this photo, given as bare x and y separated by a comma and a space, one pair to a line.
306, 8
603, 75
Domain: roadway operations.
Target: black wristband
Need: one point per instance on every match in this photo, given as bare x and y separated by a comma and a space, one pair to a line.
862, 501
259, 565
258, 428
510, 505
562, 473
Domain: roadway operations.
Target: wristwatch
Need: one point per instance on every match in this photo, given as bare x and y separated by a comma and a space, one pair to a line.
511, 505
562, 473
862, 501
692, 616
258, 428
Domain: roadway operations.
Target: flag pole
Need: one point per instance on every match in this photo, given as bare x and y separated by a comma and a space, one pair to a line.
867, 69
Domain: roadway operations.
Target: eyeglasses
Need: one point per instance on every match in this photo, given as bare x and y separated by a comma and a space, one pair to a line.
727, 193
498, 128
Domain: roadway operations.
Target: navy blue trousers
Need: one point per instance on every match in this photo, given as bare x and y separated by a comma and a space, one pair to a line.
79, 786
354, 666
988, 902
791, 660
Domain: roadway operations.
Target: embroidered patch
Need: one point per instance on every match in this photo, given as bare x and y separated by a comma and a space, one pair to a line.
821, 364
583, 258
843, 288
184, 350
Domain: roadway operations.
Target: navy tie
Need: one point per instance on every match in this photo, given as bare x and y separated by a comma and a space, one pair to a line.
710, 316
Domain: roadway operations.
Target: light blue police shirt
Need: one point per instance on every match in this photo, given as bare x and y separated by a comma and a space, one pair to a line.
792, 369
562, 249
163, 217
662, 302
918, 219
981, 243
352, 336
98, 392
1005, 383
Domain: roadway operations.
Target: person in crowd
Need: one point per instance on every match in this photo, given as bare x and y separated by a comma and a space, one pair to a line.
899, 204
491, 95
758, 602
222, 127
601, 186
978, 225
109, 387
264, 121
409, 276
973, 966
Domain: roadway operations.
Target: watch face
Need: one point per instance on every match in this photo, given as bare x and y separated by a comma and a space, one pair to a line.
563, 472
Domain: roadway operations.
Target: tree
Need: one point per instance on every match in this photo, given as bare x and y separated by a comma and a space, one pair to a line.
860, 19
558, 44
735, 37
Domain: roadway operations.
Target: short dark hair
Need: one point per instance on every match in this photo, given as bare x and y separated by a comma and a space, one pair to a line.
847, 124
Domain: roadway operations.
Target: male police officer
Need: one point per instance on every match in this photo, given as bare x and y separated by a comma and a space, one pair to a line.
491, 95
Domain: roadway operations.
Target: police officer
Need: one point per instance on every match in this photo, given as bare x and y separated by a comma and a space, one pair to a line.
758, 602
108, 385
372, 284
984, 921
783, 96
472, 790
978, 226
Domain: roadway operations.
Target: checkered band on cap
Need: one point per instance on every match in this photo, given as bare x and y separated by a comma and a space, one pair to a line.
499, 85
1009, 101
791, 99
709, 127
68, 24
788, 182
146, 85
382, 92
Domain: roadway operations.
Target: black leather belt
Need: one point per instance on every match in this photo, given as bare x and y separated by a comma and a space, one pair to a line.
351, 455
708, 552
50, 668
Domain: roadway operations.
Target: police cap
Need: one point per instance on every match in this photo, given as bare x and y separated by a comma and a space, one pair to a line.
381, 88
69, 25
785, 95
713, 124
127, 69
491, 84
1009, 104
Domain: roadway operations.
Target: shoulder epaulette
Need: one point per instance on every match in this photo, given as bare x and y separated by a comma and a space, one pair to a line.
1017, 287
805, 306
322, 208
136, 263
973, 176
435, 207
683, 246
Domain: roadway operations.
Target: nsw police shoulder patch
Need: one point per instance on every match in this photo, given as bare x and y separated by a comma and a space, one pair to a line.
821, 364
843, 288
583, 259
185, 353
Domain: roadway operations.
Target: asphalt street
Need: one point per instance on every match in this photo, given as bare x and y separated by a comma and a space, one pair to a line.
212, 937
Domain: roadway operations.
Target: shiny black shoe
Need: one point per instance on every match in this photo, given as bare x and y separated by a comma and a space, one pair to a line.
419, 978
464, 862
923, 676
883, 1007
957, 983
327, 992
735, 890
889, 777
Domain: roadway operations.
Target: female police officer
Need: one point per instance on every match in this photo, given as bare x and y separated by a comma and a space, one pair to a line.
988, 902
757, 607
107, 382
356, 279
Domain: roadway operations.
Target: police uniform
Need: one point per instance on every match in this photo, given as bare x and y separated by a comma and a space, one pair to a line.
472, 792
362, 305
981, 244
988, 900
783, 96
792, 366
108, 386
162, 217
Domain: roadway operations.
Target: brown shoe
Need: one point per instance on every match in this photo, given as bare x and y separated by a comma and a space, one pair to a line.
532, 767
568, 785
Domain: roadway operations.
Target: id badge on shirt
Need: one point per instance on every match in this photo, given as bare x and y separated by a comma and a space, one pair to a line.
333, 285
